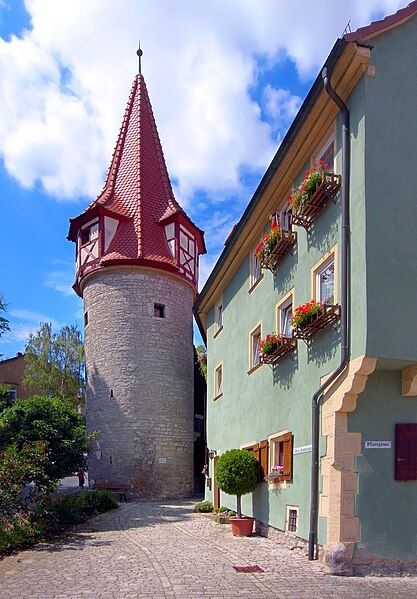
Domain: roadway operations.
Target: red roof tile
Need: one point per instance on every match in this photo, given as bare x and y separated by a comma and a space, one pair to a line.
376, 27
138, 189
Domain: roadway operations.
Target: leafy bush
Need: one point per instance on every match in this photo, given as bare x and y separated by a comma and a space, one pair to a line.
50, 516
98, 501
237, 474
50, 421
220, 510
203, 507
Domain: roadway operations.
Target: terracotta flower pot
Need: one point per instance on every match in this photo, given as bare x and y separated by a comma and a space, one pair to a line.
241, 527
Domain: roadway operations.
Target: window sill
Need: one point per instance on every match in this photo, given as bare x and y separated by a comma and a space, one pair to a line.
219, 396
277, 486
256, 283
254, 368
217, 333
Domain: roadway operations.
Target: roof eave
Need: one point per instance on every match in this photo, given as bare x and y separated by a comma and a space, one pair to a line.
311, 97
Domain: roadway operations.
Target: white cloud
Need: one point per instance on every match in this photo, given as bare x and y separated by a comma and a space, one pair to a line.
281, 106
65, 82
62, 281
23, 323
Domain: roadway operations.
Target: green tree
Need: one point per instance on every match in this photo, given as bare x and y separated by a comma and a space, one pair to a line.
6, 398
237, 474
54, 423
54, 363
202, 359
4, 323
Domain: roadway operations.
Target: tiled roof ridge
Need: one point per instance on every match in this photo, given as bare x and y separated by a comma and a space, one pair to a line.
172, 202
375, 27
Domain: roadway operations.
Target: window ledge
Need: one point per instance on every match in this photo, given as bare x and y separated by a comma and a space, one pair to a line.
217, 333
218, 396
254, 368
256, 283
279, 486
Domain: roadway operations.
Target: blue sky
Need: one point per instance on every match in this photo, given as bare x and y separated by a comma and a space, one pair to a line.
223, 99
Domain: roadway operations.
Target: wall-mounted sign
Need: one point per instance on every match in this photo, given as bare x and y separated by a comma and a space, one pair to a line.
303, 449
377, 444
162, 460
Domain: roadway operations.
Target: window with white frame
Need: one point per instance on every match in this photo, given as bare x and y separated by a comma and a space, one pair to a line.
218, 381
255, 269
285, 219
218, 316
327, 153
285, 315
281, 453
255, 339
325, 282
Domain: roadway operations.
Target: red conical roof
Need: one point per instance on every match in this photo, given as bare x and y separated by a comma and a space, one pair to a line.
138, 190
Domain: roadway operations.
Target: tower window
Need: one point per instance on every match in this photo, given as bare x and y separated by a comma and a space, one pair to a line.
85, 319
159, 310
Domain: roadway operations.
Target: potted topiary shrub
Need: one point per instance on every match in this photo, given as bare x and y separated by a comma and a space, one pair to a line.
237, 474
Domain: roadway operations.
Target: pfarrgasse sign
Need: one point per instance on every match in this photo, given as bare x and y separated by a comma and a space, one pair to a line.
377, 444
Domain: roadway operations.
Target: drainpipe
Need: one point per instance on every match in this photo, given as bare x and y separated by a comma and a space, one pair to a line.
344, 358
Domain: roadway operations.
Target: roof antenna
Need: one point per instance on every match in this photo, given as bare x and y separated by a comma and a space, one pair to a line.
348, 29
139, 52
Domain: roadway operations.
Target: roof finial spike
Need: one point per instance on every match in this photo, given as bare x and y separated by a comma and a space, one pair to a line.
139, 52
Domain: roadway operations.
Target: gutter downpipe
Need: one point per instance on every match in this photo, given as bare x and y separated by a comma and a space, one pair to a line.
344, 337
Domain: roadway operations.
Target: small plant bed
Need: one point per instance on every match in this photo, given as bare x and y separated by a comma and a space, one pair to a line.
318, 187
312, 317
273, 347
203, 507
224, 517
274, 245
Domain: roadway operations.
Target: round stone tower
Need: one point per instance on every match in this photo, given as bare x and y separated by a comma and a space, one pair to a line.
137, 269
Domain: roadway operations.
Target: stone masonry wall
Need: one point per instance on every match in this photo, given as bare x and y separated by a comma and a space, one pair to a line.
140, 381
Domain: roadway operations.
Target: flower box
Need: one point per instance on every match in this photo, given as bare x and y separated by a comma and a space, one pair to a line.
277, 346
317, 188
276, 475
274, 245
320, 316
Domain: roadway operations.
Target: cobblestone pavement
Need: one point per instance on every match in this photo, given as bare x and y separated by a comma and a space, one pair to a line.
160, 550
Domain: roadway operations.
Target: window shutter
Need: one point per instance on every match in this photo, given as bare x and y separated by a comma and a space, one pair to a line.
287, 439
263, 450
406, 451
255, 449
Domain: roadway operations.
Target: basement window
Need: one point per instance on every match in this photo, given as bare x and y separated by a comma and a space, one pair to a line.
292, 518
159, 310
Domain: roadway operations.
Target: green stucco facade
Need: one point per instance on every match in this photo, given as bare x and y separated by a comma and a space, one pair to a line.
383, 294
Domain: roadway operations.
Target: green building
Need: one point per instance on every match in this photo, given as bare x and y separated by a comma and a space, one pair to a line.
365, 298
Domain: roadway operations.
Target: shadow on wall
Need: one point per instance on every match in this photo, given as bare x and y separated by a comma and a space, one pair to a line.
284, 275
323, 345
324, 229
120, 448
283, 372
260, 502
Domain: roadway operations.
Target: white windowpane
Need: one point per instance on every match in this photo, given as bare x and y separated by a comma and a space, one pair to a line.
219, 381
286, 326
325, 284
256, 338
94, 231
219, 316
169, 231
183, 241
328, 155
